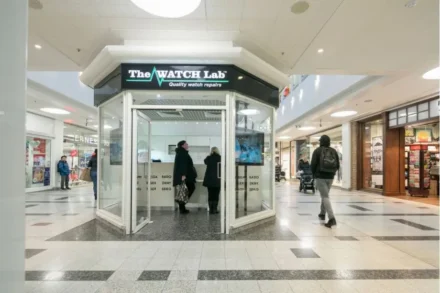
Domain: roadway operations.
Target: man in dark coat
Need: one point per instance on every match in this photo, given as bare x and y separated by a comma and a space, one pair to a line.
64, 170
325, 163
184, 171
212, 179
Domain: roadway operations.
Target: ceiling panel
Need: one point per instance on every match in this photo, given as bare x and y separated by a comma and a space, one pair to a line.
224, 9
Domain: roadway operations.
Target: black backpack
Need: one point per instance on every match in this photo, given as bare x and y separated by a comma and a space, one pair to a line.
329, 161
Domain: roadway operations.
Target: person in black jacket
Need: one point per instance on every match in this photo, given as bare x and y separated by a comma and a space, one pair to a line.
325, 163
93, 165
212, 179
184, 171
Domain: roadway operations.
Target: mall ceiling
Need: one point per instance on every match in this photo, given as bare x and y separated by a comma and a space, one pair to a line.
358, 36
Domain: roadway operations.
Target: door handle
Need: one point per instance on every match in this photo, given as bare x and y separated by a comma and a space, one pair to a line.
218, 171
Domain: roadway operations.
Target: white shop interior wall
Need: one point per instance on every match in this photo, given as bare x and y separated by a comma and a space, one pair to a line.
52, 130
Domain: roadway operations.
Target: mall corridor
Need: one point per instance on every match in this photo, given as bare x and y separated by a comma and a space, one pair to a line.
379, 245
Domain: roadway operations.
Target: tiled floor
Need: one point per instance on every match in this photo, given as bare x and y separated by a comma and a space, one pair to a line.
380, 245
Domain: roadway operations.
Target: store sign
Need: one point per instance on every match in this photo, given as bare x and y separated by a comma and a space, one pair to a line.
188, 77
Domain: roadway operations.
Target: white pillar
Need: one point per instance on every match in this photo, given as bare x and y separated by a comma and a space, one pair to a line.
346, 155
57, 152
13, 58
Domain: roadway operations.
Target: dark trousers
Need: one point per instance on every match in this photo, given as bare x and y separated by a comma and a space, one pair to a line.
191, 188
213, 196
94, 176
64, 181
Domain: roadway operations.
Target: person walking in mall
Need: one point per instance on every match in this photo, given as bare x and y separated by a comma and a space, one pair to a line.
325, 163
212, 179
64, 170
184, 171
93, 165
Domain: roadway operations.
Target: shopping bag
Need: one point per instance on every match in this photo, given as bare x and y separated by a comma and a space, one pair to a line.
85, 175
182, 193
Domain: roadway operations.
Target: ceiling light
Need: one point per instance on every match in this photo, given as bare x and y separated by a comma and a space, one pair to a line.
304, 128
432, 74
168, 8
240, 77
284, 137
107, 127
344, 113
321, 50
55, 111
248, 112
37, 46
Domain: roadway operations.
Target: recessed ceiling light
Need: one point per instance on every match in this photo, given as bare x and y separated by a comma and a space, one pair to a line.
240, 77
284, 137
37, 46
411, 3
344, 113
304, 128
432, 74
55, 111
248, 112
168, 8
107, 127
320, 50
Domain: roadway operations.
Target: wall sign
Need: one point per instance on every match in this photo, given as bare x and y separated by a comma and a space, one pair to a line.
186, 77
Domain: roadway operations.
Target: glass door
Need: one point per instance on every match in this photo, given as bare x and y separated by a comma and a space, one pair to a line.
141, 170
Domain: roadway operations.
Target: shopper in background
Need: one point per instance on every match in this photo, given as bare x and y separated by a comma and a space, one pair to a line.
325, 163
93, 165
184, 171
212, 179
64, 170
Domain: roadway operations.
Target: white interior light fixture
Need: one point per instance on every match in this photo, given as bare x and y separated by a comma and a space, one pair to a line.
168, 8
305, 128
55, 111
344, 113
432, 74
284, 137
320, 50
107, 127
80, 73
38, 47
248, 112
240, 77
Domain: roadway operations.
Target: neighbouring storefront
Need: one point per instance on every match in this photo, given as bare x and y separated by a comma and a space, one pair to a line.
79, 143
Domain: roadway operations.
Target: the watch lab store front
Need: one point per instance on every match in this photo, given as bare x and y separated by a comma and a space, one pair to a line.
151, 109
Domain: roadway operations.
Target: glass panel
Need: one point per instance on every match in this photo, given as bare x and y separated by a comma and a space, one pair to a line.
423, 107
434, 108
37, 165
392, 122
174, 98
143, 161
402, 120
372, 162
423, 115
402, 113
393, 115
111, 149
412, 114
335, 142
255, 169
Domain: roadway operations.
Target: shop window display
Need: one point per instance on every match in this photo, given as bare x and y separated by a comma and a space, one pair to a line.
37, 167
372, 161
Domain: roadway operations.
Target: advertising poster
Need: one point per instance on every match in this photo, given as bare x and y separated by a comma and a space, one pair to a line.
46, 176
37, 175
423, 135
40, 146
116, 147
377, 154
39, 160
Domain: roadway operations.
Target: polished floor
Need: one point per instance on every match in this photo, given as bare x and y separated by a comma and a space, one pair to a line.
380, 245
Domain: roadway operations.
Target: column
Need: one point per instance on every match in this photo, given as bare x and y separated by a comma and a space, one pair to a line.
346, 155
13, 48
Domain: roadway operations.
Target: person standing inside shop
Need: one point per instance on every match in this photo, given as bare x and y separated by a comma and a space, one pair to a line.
184, 171
212, 179
325, 163
64, 170
93, 165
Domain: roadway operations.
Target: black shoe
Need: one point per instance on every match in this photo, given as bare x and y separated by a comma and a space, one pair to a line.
330, 223
63, 189
184, 212
68, 188
321, 217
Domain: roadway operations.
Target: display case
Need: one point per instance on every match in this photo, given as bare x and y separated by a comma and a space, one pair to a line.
406, 166
419, 164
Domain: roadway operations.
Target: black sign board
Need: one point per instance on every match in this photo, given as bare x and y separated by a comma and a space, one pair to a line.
176, 77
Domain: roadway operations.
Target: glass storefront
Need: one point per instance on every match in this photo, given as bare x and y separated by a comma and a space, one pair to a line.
372, 157
37, 166
336, 143
78, 146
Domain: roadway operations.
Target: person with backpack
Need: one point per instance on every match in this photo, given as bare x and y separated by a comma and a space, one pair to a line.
325, 163
64, 170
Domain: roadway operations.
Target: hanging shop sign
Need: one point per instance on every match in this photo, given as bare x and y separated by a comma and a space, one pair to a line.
187, 77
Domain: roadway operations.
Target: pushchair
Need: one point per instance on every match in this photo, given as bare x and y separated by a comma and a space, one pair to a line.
306, 181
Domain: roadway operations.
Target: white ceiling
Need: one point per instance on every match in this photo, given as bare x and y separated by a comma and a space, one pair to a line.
358, 36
